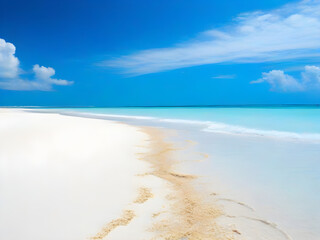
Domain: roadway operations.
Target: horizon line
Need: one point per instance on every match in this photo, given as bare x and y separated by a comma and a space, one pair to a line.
171, 106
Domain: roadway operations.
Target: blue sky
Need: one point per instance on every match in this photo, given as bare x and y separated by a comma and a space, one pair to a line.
169, 52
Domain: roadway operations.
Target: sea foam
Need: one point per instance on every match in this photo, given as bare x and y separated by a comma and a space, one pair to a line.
214, 127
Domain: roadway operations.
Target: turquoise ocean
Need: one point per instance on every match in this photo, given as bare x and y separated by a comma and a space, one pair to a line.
301, 122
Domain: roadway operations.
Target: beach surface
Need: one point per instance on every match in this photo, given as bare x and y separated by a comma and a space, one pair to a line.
68, 177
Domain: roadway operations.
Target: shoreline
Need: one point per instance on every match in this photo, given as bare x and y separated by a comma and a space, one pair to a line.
185, 213
165, 205
173, 205
214, 127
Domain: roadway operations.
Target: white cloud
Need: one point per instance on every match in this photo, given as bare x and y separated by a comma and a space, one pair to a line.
279, 81
290, 32
311, 76
8, 62
10, 77
44, 74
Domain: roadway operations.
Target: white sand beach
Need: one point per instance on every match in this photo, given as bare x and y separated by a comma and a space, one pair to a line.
71, 178
66, 177
75, 178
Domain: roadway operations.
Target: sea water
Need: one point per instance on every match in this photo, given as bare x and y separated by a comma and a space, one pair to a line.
291, 122
266, 157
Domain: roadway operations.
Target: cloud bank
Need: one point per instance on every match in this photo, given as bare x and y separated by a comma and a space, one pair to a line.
290, 32
281, 82
10, 73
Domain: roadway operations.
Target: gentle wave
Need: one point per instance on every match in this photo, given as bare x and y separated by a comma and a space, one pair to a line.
217, 127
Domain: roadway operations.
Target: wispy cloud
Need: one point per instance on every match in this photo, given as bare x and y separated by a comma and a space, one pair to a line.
231, 76
10, 73
290, 32
282, 82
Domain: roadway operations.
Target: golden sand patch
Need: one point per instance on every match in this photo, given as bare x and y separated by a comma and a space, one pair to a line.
156, 214
144, 195
180, 175
191, 217
124, 220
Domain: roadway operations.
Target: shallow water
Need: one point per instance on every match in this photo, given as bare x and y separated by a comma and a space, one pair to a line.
279, 179
273, 165
282, 122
